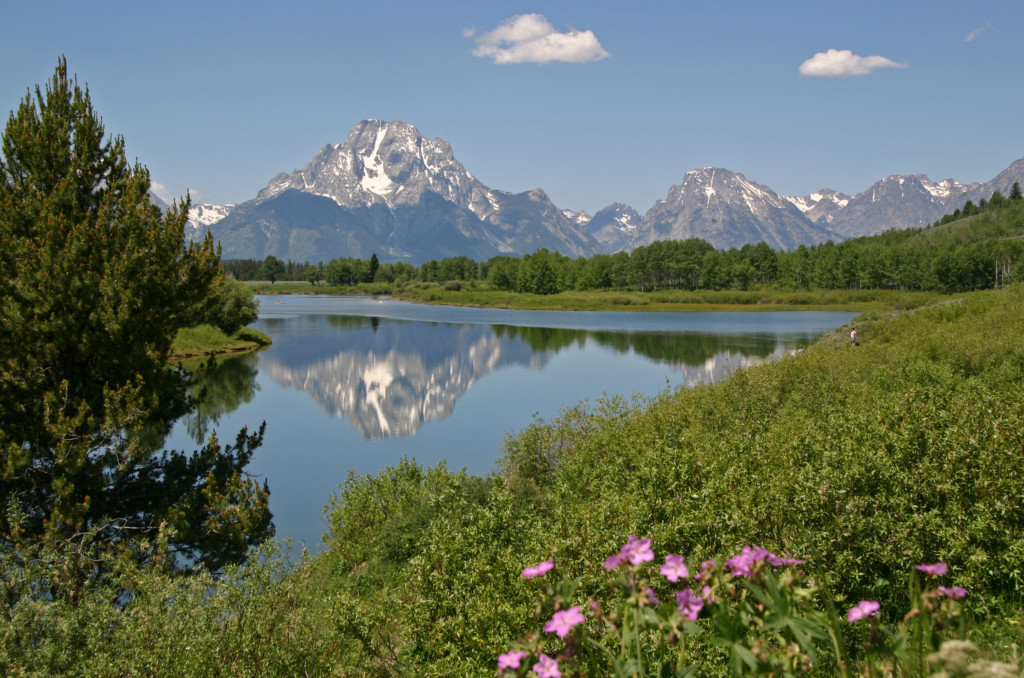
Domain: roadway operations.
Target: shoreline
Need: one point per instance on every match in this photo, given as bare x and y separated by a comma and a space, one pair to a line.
204, 341
224, 350
677, 301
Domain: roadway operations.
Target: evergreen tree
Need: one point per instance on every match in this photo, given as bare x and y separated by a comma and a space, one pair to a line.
96, 282
373, 268
1015, 193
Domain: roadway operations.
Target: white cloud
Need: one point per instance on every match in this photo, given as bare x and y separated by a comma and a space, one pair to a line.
530, 38
842, 63
160, 191
976, 33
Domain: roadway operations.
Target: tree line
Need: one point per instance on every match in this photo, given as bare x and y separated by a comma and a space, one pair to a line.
975, 247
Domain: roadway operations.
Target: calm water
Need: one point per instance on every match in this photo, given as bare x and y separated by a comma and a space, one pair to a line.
359, 382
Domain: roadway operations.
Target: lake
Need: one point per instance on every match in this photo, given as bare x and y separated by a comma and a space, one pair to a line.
359, 382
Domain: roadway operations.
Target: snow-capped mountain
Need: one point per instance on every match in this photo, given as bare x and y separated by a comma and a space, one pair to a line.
398, 194
390, 164
727, 210
389, 190
901, 201
821, 207
578, 217
898, 202
614, 226
202, 217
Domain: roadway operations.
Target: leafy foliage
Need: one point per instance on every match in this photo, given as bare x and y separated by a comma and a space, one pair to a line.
863, 460
233, 307
272, 268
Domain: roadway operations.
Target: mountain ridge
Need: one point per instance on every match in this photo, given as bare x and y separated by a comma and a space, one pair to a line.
406, 197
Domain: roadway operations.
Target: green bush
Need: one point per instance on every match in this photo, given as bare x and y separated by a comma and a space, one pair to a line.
233, 307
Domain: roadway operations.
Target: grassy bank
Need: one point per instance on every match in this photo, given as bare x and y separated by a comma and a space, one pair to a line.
674, 300
206, 340
480, 294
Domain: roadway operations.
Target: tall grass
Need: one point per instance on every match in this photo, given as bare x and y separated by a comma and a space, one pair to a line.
206, 339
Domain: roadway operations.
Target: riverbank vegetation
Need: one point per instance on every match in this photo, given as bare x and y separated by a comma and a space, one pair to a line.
223, 327
484, 296
206, 340
978, 247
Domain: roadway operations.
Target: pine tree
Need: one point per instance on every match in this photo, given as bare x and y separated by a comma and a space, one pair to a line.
373, 268
96, 282
1015, 193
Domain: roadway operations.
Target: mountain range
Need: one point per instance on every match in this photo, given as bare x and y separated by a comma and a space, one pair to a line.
388, 190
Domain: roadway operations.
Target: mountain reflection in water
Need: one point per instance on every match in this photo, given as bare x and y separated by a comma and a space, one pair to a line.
393, 380
390, 376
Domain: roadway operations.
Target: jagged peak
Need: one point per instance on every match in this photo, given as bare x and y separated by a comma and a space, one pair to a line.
617, 208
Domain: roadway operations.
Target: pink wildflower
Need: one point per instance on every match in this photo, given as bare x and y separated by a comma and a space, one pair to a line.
674, 569
690, 604
510, 660
932, 569
863, 610
782, 562
563, 621
637, 550
743, 564
538, 569
955, 592
547, 667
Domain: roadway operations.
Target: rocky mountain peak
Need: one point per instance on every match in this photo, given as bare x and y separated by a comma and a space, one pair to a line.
822, 206
614, 226
727, 210
578, 217
388, 189
385, 163
392, 191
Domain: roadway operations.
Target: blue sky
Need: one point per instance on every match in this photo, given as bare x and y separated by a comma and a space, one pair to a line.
593, 101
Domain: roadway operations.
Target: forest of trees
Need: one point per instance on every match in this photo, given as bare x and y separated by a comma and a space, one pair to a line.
976, 247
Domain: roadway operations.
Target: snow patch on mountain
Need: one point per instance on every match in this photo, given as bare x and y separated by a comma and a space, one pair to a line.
202, 217
580, 217
207, 214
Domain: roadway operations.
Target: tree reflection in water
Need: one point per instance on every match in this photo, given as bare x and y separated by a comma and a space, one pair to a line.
226, 385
